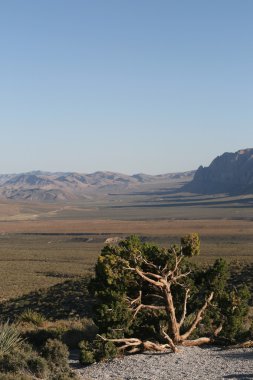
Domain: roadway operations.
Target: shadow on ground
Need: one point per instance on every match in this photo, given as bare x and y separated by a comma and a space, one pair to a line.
64, 300
240, 376
239, 355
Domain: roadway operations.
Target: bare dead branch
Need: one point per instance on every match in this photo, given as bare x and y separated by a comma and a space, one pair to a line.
157, 276
155, 296
187, 291
247, 344
163, 271
138, 299
177, 259
153, 282
127, 345
150, 307
149, 263
151, 346
130, 341
133, 344
181, 275
170, 341
134, 350
198, 318
218, 330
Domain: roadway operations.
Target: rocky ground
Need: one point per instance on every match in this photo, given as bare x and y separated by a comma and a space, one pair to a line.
192, 363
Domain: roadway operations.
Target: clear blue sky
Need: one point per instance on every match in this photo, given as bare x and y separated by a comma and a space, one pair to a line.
124, 85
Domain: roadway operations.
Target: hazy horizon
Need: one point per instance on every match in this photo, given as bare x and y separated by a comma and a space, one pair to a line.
131, 87
98, 170
87, 173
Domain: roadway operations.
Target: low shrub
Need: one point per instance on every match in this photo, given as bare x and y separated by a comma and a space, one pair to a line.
38, 366
10, 338
26, 362
19, 361
56, 352
13, 361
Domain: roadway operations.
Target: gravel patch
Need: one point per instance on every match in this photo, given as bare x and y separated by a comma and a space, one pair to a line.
191, 363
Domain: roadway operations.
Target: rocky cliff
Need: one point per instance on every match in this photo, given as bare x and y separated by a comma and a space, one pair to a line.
229, 173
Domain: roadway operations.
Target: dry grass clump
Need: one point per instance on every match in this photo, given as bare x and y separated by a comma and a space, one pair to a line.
32, 317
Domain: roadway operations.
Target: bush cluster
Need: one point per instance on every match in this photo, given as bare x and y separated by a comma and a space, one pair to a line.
23, 362
35, 348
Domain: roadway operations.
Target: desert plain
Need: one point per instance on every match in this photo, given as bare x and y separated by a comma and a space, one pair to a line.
42, 244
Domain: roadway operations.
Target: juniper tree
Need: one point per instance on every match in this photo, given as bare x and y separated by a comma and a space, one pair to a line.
154, 298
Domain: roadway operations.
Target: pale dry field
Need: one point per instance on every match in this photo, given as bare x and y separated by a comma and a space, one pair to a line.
149, 227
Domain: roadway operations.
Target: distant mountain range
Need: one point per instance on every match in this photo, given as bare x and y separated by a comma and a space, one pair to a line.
48, 187
229, 173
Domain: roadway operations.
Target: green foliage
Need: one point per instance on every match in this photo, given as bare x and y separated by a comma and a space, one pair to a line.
234, 308
230, 306
96, 351
216, 276
87, 355
33, 317
10, 338
113, 312
190, 245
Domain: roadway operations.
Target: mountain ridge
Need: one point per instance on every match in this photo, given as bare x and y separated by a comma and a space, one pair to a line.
69, 186
228, 173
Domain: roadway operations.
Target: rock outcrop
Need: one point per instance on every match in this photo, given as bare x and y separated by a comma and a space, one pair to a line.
229, 173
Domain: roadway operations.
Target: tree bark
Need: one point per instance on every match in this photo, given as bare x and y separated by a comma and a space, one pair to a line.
170, 309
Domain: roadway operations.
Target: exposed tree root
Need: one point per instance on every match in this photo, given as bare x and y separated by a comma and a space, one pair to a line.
196, 342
